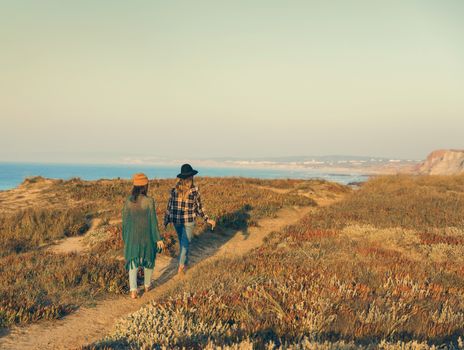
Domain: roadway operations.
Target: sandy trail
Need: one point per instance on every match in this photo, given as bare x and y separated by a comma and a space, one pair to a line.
89, 324
71, 244
76, 244
322, 198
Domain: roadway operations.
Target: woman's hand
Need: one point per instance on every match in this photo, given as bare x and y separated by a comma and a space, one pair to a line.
160, 245
212, 223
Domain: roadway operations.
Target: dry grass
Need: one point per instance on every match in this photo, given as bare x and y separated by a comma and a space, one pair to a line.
382, 269
38, 285
419, 203
27, 229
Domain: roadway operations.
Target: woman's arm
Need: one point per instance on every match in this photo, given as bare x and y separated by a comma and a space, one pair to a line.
199, 207
154, 229
200, 212
125, 218
168, 212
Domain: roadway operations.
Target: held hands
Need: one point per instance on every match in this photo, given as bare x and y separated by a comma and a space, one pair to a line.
212, 223
160, 245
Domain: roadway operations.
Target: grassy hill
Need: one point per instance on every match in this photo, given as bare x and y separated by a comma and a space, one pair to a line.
40, 284
382, 268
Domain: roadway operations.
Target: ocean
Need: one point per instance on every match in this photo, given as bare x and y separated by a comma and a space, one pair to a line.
12, 174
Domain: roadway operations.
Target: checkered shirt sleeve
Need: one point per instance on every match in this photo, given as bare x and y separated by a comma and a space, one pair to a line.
181, 211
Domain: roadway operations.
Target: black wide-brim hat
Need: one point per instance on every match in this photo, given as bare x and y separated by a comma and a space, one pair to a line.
186, 171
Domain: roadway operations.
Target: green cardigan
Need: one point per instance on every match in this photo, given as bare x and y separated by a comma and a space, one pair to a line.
140, 232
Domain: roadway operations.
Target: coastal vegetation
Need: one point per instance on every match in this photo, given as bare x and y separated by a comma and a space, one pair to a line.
380, 268
41, 284
383, 268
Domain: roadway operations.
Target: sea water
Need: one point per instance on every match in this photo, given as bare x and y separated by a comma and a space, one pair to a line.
12, 174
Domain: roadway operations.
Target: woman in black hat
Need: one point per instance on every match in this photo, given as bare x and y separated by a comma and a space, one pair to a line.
183, 207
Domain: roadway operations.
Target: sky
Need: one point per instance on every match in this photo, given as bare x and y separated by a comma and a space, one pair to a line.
97, 80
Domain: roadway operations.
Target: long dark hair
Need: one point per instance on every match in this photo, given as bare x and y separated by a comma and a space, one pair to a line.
137, 191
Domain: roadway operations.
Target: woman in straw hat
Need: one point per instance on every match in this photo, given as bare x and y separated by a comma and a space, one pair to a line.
183, 207
140, 233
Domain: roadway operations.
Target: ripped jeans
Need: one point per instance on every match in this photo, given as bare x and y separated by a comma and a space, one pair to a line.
185, 235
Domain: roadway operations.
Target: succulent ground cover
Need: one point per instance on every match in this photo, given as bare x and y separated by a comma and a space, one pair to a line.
37, 284
381, 269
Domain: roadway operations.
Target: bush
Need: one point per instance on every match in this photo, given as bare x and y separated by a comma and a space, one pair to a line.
39, 285
28, 229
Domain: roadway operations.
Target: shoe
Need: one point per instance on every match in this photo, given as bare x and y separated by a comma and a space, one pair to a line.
181, 270
148, 288
133, 294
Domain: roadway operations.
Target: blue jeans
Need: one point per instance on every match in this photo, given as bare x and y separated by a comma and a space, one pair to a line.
185, 235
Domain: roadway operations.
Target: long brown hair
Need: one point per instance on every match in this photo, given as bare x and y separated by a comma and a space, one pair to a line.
138, 191
183, 187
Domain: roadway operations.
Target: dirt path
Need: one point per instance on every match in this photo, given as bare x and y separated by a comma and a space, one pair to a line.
321, 197
78, 244
89, 324
68, 245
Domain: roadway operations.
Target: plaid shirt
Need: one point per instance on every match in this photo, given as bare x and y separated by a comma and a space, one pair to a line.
181, 211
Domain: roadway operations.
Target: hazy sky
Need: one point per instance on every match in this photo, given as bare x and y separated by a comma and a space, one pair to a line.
230, 78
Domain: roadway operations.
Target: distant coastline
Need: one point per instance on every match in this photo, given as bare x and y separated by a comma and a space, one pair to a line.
322, 164
13, 174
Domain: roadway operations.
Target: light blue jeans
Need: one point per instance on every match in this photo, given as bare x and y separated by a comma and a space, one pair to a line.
147, 273
185, 235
